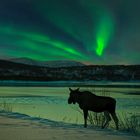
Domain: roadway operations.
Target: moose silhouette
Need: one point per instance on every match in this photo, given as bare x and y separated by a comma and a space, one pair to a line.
90, 102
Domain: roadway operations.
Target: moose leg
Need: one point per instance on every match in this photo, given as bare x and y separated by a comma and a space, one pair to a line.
85, 117
108, 119
114, 116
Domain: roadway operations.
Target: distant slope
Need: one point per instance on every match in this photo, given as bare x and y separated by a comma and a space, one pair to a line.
59, 63
17, 71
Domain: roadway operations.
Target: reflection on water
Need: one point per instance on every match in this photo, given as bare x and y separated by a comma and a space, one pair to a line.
52, 103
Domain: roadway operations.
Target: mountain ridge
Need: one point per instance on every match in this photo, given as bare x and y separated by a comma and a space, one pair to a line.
17, 71
55, 63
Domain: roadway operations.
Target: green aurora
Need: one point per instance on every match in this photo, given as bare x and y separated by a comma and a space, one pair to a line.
104, 34
91, 31
40, 45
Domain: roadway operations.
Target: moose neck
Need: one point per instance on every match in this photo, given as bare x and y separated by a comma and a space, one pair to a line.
78, 97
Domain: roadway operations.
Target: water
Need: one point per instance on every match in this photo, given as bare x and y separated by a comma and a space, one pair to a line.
51, 103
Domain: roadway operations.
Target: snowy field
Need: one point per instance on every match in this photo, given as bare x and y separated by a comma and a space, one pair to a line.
51, 102
43, 113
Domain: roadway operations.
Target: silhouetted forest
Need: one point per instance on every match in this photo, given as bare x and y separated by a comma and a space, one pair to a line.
15, 71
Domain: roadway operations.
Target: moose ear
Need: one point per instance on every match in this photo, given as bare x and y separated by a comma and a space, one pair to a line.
70, 89
77, 89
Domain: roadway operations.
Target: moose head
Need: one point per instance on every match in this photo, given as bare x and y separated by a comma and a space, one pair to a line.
72, 97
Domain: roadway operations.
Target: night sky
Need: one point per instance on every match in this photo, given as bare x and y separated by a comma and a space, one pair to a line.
89, 31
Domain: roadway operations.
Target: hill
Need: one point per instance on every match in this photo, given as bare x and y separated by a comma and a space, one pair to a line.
17, 71
59, 63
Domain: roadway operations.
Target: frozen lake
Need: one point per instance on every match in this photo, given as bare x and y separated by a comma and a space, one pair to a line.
51, 102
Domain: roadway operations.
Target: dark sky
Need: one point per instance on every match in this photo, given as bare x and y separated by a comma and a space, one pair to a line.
90, 31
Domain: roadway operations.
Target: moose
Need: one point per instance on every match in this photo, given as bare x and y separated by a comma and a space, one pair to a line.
90, 102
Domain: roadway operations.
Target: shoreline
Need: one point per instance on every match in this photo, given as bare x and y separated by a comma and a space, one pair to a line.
24, 127
122, 84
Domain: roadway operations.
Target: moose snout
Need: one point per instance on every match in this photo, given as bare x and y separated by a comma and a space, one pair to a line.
69, 101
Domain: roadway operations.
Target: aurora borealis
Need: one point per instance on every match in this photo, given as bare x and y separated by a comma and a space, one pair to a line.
89, 31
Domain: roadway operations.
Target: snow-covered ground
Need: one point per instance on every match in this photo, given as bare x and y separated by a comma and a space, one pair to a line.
15, 126
43, 113
51, 102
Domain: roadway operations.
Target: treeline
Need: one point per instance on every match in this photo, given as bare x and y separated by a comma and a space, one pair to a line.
15, 71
